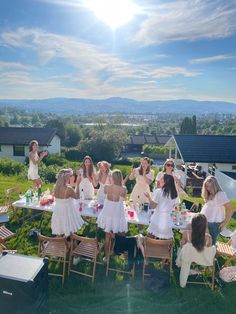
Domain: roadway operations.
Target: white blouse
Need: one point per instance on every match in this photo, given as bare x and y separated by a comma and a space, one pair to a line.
214, 209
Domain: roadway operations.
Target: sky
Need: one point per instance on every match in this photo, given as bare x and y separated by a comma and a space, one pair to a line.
144, 50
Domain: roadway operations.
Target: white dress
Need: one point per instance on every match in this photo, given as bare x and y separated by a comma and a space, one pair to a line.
100, 194
33, 171
161, 221
66, 217
141, 186
112, 217
86, 186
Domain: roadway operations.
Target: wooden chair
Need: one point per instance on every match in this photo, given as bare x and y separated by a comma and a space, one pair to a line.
5, 234
226, 250
56, 248
86, 249
131, 268
157, 249
204, 261
9, 193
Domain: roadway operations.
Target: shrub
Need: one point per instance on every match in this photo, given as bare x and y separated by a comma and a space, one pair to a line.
11, 167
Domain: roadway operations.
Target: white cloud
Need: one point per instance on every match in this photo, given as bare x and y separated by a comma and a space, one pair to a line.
188, 20
14, 65
212, 59
89, 61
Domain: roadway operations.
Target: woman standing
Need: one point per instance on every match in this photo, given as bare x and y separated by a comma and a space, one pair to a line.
217, 209
169, 168
164, 201
66, 217
86, 178
144, 176
103, 178
34, 160
112, 217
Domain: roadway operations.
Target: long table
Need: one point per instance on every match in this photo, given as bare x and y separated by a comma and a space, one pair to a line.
89, 210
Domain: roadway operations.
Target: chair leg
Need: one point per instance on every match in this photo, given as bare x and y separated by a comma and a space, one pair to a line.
64, 271
94, 269
144, 262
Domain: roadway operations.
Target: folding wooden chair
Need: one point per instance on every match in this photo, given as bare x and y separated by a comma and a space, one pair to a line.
5, 234
85, 249
56, 249
127, 266
226, 250
157, 249
9, 194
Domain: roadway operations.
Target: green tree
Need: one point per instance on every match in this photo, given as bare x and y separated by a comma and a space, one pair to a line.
73, 135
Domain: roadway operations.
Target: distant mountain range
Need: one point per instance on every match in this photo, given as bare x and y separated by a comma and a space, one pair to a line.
119, 105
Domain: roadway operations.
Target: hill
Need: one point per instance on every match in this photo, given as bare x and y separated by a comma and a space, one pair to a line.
119, 105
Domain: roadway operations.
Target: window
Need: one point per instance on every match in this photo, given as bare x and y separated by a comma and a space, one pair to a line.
18, 150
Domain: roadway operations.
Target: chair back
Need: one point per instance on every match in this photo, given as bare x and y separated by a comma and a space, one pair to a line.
56, 247
9, 193
87, 247
157, 248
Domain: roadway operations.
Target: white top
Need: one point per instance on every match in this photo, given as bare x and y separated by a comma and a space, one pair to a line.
149, 175
164, 204
214, 210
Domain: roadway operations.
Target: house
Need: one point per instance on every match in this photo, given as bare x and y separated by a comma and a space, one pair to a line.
137, 142
216, 154
14, 142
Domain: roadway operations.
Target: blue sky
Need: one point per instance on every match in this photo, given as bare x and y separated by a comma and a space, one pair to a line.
147, 50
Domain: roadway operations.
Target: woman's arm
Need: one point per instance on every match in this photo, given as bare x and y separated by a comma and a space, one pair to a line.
152, 203
133, 174
70, 192
184, 239
229, 210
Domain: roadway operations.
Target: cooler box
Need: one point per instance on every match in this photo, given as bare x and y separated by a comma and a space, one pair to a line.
23, 284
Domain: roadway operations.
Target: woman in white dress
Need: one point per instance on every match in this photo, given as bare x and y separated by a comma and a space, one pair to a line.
34, 160
164, 201
103, 178
217, 209
86, 178
112, 217
66, 217
144, 176
169, 168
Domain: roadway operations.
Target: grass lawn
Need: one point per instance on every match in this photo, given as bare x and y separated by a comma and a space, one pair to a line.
117, 294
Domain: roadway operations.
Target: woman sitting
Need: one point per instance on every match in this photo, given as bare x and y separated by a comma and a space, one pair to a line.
198, 233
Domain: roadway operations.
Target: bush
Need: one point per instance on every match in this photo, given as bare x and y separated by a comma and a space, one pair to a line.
54, 159
74, 154
11, 167
155, 151
48, 174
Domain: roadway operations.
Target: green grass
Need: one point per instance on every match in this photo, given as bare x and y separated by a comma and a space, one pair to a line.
116, 294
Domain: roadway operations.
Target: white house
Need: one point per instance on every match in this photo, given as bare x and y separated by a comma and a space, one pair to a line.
215, 153
14, 142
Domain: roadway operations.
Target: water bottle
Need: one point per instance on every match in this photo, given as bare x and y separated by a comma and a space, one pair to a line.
183, 207
82, 197
39, 192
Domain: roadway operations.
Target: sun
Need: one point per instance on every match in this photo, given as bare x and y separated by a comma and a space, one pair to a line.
114, 13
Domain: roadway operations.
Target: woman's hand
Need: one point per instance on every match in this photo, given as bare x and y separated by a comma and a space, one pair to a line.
148, 195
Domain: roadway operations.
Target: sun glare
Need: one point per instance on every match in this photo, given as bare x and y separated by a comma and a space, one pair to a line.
114, 13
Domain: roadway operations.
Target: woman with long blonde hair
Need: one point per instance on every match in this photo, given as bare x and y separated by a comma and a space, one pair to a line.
66, 217
217, 209
112, 217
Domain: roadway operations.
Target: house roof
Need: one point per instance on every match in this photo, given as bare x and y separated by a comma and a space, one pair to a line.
206, 148
23, 136
230, 174
149, 139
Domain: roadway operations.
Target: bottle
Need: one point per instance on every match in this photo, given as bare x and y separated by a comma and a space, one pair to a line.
39, 192
137, 205
183, 207
82, 197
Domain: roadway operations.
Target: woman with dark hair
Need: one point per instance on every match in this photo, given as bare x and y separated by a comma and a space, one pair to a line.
164, 201
34, 160
86, 178
144, 176
197, 235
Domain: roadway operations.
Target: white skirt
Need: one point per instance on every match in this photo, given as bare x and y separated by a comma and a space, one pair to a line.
66, 217
112, 217
161, 225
